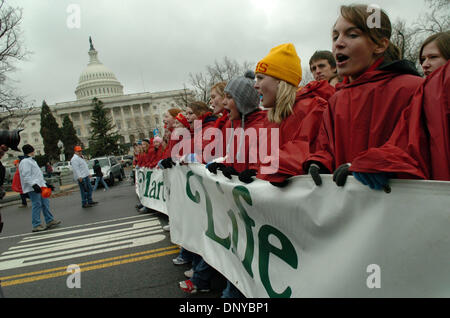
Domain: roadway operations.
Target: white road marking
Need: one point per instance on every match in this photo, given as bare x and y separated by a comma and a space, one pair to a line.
53, 247
89, 229
28, 246
76, 226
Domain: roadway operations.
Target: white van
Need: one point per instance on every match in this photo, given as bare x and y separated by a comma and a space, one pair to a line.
62, 165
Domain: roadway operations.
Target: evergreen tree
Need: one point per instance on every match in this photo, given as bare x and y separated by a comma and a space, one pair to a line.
50, 133
69, 137
103, 141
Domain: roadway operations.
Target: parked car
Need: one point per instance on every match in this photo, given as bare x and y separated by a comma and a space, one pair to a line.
125, 160
62, 165
111, 169
9, 174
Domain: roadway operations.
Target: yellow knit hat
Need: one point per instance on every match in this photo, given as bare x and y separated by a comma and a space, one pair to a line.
282, 63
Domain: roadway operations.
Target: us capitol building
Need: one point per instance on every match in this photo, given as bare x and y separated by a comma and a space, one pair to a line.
135, 116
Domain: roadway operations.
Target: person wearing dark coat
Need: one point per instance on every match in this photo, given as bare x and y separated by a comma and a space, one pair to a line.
99, 176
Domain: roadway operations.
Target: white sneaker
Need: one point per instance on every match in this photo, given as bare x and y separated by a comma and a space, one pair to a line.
143, 209
179, 261
166, 228
39, 228
189, 273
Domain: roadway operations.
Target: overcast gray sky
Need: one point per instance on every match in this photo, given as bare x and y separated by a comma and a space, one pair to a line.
153, 45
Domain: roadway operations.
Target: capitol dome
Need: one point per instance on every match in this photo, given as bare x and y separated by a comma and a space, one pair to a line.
97, 80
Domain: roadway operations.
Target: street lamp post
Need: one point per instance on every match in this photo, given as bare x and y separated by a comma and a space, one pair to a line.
62, 156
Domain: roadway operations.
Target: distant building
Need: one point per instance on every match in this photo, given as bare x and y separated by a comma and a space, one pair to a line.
135, 116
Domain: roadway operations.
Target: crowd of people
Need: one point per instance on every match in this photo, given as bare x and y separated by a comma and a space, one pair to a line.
29, 181
368, 113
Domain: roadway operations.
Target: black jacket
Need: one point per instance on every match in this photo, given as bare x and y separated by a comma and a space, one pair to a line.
98, 170
400, 66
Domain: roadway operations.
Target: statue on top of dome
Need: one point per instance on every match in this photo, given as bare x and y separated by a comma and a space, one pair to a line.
92, 45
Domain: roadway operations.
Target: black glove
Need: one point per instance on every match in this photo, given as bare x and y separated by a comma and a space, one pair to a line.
246, 175
314, 170
376, 181
228, 171
168, 163
340, 174
214, 166
37, 188
281, 184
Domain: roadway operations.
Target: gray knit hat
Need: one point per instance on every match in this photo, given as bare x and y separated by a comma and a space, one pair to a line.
247, 101
244, 94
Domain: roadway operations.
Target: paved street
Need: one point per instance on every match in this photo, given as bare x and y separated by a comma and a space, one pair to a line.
117, 251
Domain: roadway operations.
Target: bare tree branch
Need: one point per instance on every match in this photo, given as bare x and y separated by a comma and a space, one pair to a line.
11, 51
435, 21
184, 99
220, 71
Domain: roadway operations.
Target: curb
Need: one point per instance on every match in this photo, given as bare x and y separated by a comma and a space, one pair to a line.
15, 199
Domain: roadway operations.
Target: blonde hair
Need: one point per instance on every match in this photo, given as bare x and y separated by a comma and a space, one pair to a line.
284, 103
220, 88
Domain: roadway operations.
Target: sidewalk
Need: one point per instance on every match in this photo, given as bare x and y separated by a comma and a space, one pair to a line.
12, 198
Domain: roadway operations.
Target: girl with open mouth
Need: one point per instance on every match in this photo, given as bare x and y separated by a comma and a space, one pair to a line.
295, 112
377, 87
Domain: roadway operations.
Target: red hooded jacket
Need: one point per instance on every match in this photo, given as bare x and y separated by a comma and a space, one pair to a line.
147, 158
420, 145
176, 136
298, 132
249, 148
199, 142
222, 120
139, 159
157, 155
222, 124
16, 185
182, 139
363, 114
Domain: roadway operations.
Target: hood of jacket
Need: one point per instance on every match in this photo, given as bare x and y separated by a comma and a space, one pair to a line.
385, 70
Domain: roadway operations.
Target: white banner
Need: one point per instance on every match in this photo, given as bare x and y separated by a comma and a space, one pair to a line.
150, 189
308, 241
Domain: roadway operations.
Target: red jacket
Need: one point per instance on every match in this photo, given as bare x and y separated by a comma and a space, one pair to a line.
156, 156
222, 120
420, 145
298, 132
249, 147
16, 186
140, 159
222, 124
321, 89
199, 142
183, 145
147, 158
363, 114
